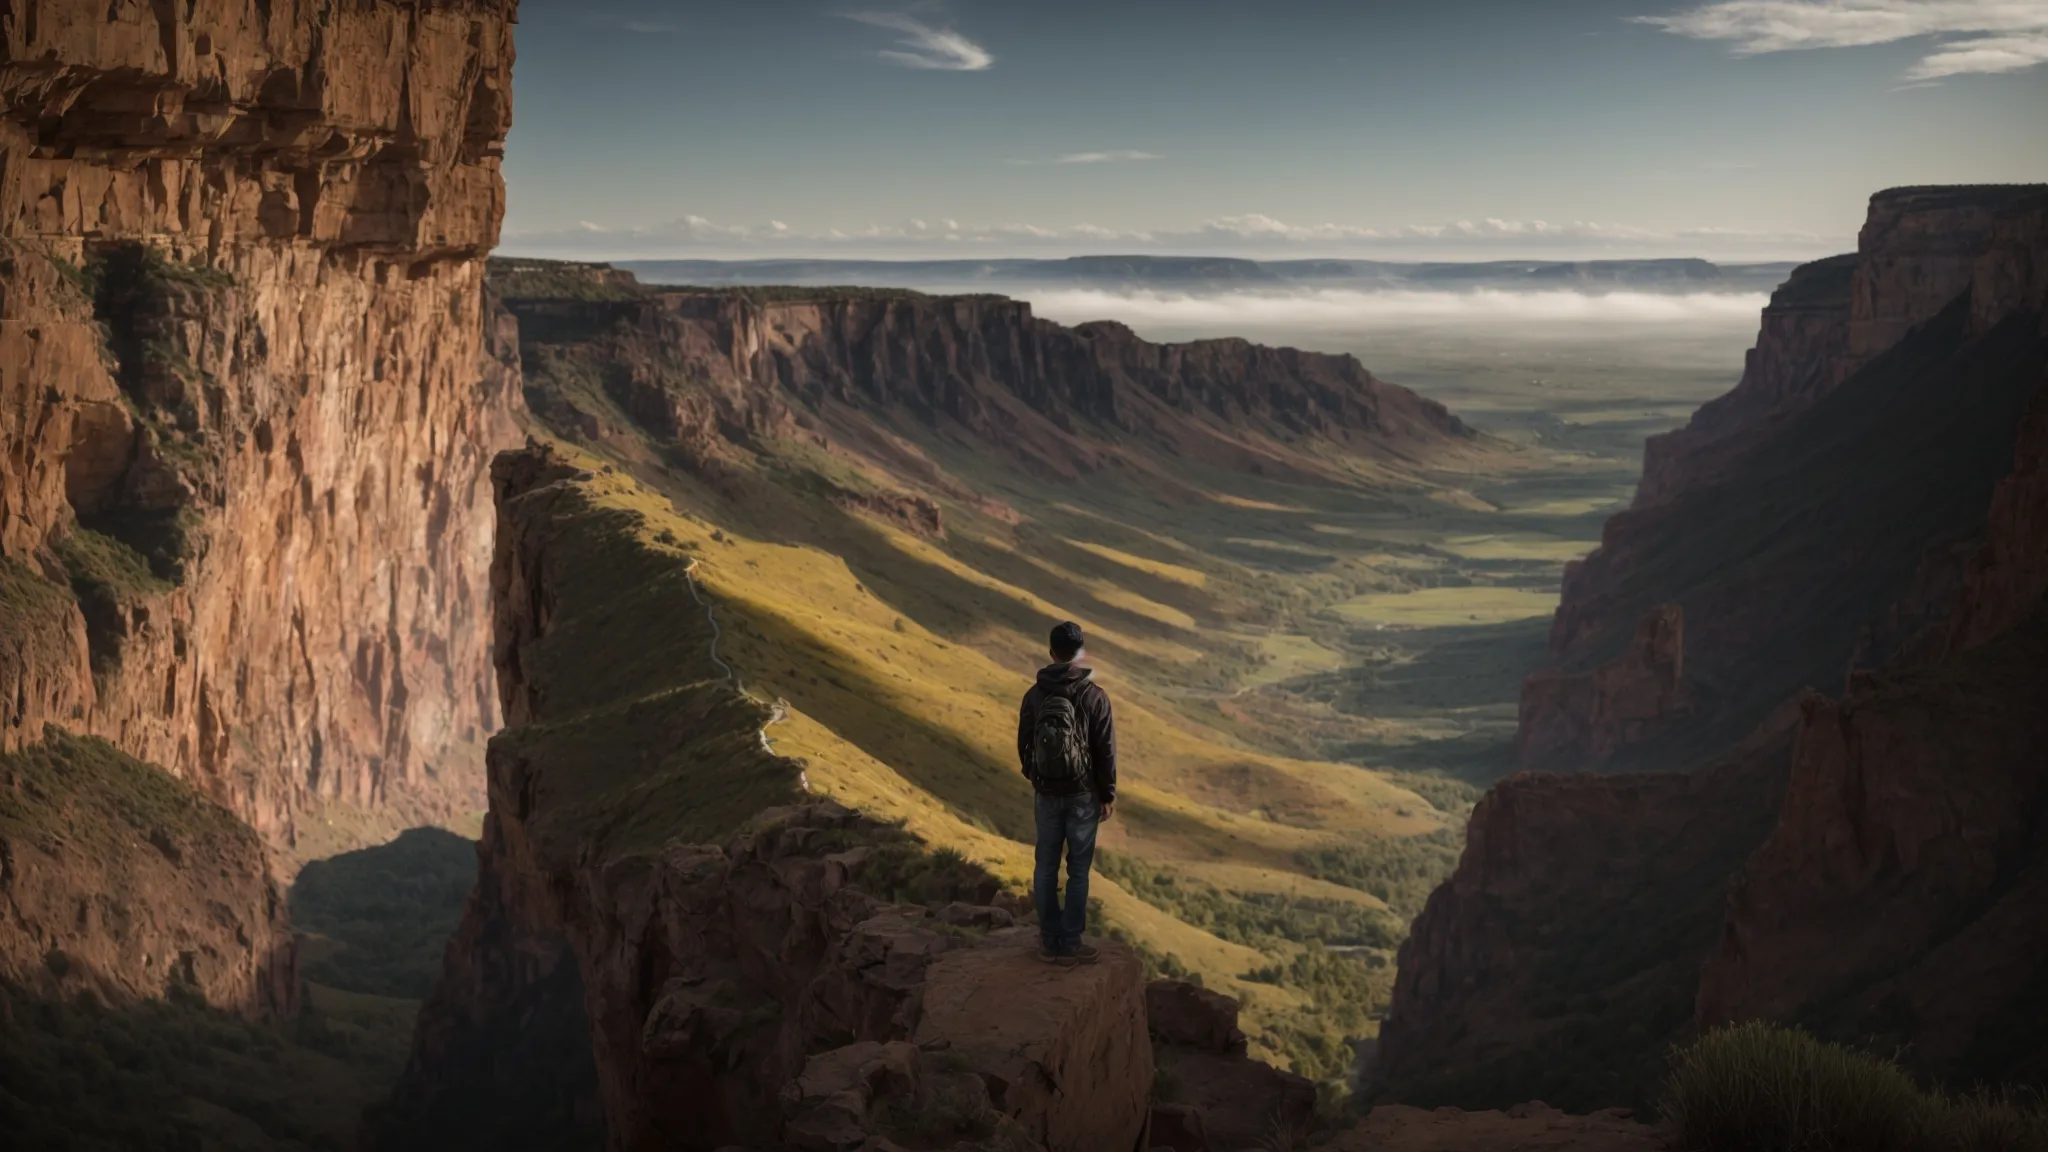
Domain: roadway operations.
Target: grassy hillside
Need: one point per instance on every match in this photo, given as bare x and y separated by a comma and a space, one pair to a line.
1255, 635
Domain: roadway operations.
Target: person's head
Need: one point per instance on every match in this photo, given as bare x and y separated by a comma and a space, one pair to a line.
1067, 645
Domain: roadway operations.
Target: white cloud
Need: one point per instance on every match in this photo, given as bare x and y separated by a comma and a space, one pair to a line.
1114, 156
1973, 36
926, 47
1117, 157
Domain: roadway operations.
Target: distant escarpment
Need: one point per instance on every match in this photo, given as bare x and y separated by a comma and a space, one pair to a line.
671, 947
710, 370
1865, 514
244, 520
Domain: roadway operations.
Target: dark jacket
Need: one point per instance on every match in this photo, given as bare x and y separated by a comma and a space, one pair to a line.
1091, 703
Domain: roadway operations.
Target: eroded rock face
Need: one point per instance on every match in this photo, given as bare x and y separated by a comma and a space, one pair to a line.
713, 372
240, 324
1803, 337
1778, 520
1623, 702
1211, 1095
1562, 956
1902, 894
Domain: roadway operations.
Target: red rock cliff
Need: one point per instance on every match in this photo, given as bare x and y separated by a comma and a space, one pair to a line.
240, 400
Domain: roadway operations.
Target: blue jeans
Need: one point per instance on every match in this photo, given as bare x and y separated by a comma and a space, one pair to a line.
1068, 821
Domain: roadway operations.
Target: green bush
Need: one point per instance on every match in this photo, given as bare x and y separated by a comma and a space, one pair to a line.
1402, 871
1263, 920
1757, 1087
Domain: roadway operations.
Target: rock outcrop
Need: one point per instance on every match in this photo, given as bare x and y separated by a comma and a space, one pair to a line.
1868, 867
1618, 704
712, 371
1532, 1126
241, 410
1211, 1096
731, 975
119, 880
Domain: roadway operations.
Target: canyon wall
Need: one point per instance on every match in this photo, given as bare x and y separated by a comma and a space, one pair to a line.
244, 518
1869, 867
669, 947
704, 368
1780, 520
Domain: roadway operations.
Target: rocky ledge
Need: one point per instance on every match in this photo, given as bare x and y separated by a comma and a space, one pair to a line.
671, 946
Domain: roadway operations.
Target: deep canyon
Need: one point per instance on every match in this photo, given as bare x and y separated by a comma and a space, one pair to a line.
318, 523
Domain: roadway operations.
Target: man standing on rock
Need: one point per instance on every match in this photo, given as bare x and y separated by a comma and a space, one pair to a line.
1066, 739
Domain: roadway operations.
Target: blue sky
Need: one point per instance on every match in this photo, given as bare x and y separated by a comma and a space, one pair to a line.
1445, 129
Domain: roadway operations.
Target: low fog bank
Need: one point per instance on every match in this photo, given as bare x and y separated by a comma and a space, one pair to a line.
1534, 315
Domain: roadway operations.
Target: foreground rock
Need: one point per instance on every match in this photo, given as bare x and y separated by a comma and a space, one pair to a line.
1210, 1095
245, 500
669, 947
1530, 1127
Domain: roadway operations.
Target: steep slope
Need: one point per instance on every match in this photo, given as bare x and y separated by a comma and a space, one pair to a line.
244, 516
694, 366
765, 992
1868, 867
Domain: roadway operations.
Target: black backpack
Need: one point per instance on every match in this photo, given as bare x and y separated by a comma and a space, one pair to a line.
1059, 748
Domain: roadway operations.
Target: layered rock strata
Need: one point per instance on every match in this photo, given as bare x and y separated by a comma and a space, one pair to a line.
240, 403
709, 372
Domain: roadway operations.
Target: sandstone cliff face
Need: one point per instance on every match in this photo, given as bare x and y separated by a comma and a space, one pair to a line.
240, 315
705, 370
750, 990
1779, 520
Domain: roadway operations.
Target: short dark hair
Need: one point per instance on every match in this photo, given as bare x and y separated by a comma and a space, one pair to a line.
1066, 640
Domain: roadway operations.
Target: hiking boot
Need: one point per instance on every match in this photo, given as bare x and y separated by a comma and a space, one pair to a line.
1084, 954
1048, 956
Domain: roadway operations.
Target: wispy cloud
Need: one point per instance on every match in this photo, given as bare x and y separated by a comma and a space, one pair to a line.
1973, 36
1250, 234
925, 46
622, 23
1118, 156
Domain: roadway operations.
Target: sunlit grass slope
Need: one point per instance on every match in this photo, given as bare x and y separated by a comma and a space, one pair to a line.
910, 724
